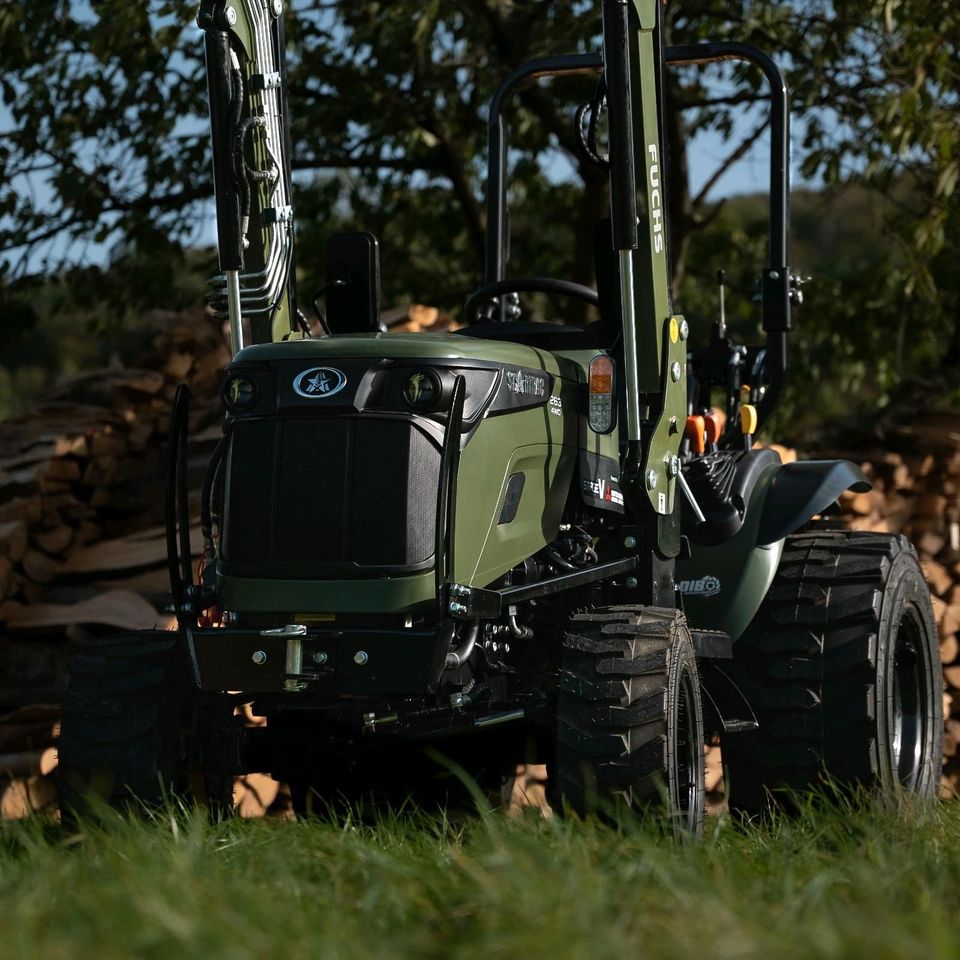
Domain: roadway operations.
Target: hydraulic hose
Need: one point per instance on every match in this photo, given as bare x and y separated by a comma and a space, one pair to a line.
457, 658
177, 505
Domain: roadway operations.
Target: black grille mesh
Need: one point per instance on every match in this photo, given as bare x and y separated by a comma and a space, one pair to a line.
326, 497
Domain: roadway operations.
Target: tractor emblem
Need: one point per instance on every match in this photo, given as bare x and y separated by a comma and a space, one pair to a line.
317, 383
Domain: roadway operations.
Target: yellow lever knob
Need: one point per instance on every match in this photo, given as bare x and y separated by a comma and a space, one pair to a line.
748, 419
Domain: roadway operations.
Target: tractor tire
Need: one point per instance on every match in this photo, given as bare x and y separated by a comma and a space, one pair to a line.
842, 668
630, 720
121, 738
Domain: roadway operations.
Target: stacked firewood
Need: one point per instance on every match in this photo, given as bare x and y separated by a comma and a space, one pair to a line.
82, 547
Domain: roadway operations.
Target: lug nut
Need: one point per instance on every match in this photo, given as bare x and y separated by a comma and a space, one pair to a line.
259, 657
320, 657
672, 464
360, 658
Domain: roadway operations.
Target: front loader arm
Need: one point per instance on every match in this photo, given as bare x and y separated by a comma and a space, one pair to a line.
246, 74
654, 352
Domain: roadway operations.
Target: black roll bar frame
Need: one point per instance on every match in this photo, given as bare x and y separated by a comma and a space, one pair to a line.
776, 281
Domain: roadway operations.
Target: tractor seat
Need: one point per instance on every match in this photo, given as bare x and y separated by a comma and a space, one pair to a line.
722, 483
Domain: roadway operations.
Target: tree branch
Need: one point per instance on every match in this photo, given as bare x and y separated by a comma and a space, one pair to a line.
739, 153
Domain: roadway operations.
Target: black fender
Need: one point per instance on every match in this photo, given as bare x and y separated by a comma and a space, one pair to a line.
800, 490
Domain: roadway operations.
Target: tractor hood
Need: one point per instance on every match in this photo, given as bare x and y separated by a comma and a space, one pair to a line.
409, 346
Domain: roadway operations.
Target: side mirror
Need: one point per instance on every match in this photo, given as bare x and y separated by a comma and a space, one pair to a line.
352, 283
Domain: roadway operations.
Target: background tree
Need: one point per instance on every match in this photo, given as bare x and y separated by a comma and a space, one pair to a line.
105, 144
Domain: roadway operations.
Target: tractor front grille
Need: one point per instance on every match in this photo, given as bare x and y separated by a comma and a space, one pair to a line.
329, 497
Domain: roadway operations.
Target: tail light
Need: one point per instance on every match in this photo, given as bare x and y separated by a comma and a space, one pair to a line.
600, 408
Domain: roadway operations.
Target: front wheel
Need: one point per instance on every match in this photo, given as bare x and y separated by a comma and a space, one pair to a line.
630, 720
126, 717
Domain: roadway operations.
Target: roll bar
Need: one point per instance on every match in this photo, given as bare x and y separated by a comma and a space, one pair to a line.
776, 281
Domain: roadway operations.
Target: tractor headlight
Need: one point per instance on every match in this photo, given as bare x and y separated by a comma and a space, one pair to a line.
423, 390
240, 393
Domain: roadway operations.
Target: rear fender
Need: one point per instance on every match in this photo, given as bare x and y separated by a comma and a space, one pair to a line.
801, 490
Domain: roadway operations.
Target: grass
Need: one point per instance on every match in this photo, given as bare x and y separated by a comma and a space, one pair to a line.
866, 881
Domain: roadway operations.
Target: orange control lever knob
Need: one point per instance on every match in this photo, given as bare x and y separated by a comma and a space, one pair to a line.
695, 432
711, 425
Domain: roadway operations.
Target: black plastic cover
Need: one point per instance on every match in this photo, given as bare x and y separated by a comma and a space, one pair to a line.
801, 490
722, 483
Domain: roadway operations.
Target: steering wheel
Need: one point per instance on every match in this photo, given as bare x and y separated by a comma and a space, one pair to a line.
548, 285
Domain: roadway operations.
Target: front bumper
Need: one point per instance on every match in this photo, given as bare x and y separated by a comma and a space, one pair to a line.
303, 659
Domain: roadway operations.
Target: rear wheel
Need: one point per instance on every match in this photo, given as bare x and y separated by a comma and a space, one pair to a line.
630, 721
122, 738
842, 667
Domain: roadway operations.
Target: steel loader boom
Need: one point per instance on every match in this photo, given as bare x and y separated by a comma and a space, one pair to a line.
244, 43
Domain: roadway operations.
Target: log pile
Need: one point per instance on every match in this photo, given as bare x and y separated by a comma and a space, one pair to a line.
81, 511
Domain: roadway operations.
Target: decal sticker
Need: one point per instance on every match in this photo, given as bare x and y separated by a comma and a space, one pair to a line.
556, 406
655, 198
526, 384
603, 490
700, 589
318, 383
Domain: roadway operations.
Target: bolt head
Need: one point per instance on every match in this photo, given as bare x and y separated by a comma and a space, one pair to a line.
231, 14
684, 329
277, 7
673, 465
361, 657
630, 542
457, 609
259, 657
631, 583
676, 372
774, 274
652, 479
456, 699
320, 657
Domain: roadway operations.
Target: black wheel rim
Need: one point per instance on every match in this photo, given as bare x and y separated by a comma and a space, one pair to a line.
910, 695
689, 755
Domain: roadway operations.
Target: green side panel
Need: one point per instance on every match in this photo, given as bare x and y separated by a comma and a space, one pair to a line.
387, 595
723, 586
542, 445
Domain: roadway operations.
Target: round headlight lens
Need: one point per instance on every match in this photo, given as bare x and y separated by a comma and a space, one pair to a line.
422, 390
240, 393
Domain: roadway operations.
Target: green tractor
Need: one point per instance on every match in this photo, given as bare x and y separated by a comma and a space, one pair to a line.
522, 541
